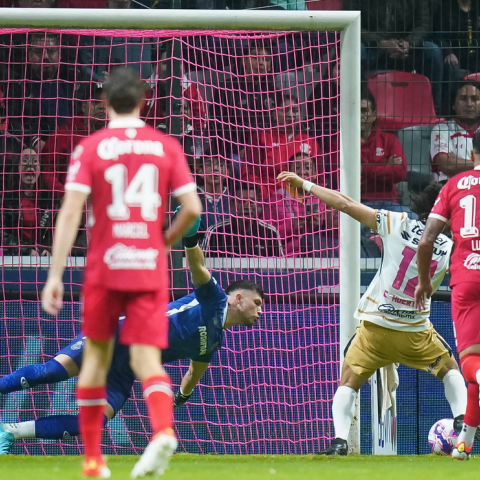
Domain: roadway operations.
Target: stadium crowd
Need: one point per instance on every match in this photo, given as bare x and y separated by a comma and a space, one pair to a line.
244, 109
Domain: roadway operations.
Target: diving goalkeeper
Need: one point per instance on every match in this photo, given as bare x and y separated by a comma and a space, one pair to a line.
390, 329
196, 325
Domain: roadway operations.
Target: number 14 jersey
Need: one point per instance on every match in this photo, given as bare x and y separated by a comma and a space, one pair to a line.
459, 201
389, 299
128, 169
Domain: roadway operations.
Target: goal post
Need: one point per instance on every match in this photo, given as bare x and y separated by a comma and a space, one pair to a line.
347, 22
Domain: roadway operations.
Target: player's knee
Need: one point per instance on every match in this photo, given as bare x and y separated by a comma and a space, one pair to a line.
145, 361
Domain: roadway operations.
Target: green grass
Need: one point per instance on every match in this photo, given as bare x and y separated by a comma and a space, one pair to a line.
253, 467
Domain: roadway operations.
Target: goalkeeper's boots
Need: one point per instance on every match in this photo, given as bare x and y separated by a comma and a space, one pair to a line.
6, 441
96, 468
339, 446
461, 452
156, 456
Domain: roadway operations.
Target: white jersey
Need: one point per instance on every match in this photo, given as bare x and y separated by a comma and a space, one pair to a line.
389, 300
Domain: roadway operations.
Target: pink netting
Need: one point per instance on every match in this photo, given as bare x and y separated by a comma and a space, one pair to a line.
245, 107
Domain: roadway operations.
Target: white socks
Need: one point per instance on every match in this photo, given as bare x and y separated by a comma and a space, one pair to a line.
21, 430
467, 435
342, 411
455, 392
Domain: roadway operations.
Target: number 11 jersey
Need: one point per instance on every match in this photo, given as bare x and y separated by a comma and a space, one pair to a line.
128, 169
459, 201
389, 299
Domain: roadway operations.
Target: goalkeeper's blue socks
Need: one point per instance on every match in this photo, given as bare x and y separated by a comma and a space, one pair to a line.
33, 375
53, 427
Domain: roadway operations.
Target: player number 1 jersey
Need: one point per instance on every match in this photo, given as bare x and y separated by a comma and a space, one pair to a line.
389, 299
128, 169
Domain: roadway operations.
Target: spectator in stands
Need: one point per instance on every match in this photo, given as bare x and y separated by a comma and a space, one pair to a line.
451, 142
98, 54
323, 109
243, 233
40, 96
286, 208
58, 148
271, 148
457, 31
245, 102
212, 189
383, 161
28, 210
394, 37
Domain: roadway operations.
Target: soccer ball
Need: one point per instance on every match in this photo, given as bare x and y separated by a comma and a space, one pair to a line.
442, 437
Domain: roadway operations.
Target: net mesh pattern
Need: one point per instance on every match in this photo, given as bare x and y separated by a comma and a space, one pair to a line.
245, 106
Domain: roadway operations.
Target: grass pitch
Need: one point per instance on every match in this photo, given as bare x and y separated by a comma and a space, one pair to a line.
253, 467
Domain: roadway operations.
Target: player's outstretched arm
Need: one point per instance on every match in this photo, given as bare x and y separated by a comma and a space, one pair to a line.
433, 228
189, 382
66, 228
337, 200
190, 211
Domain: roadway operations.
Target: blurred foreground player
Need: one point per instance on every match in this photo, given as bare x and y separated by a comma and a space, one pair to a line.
459, 203
128, 169
196, 326
391, 330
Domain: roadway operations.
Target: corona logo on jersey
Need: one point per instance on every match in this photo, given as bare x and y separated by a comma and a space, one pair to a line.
121, 257
472, 262
466, 183
112, 148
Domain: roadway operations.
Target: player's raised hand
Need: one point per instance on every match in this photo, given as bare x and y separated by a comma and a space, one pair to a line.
52, 295
193, 230
422, 291
292, 178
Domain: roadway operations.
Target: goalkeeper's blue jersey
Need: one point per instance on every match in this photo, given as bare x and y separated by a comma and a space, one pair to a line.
195, 328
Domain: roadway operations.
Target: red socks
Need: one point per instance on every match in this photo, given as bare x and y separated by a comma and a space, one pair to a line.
92, 406
158, 394
470, 366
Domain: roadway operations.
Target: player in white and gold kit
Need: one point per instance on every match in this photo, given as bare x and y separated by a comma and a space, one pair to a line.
390, 329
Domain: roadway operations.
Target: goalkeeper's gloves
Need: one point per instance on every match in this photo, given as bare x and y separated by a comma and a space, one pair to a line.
180, 398
190, 237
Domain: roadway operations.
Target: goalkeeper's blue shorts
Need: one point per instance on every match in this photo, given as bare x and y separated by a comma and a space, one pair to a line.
120, 377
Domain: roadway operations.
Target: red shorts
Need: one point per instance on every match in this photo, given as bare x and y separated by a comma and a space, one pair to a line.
146, 321
466, 314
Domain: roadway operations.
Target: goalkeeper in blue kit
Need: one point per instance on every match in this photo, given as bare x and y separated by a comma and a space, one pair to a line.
196, 325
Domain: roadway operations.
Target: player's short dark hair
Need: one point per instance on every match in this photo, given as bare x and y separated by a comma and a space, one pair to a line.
367, 95
245, 285
124, 90
423, 203
476, 142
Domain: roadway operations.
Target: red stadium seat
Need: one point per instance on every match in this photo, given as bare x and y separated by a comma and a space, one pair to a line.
324, 4
473, 76
403, 100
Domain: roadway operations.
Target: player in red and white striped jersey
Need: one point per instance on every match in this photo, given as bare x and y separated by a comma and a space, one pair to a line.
128, 169
459, 204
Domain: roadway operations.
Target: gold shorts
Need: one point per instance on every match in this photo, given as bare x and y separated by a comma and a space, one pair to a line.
373, 347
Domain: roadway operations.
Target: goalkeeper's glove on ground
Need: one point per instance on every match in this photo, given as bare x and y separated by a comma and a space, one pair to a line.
180, 398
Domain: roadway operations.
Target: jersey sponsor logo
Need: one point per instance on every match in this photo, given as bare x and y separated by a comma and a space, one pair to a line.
476, 245
472, 262
112, 148
130, 230
391, 310
77, 345
203, 339
402, 301
379, 152
466, 183
121, 257
405, 235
